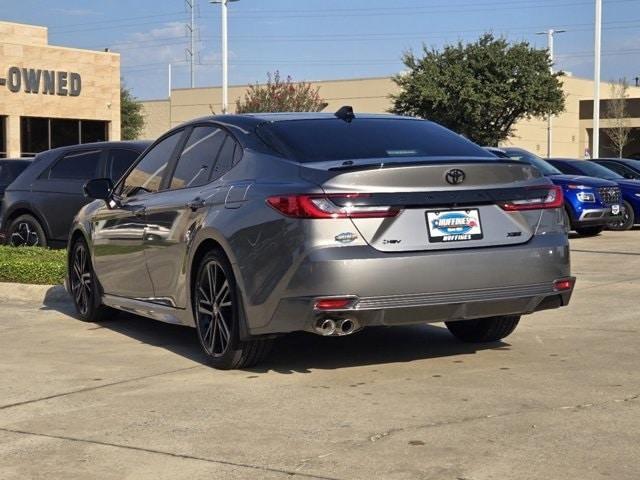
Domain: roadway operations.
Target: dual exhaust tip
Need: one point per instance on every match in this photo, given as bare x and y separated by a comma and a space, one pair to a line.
328, 327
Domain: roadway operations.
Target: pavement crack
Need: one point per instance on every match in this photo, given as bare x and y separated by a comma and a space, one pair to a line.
96, 387
290, 473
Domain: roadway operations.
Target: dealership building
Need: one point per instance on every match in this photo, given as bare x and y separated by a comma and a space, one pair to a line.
54, 96
571, 129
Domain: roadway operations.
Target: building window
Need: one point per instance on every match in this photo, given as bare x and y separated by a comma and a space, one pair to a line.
40, 134
3, 137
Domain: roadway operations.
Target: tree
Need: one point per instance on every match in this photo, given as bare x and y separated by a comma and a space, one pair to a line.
620, 130
279, 95
480, 89
131, 117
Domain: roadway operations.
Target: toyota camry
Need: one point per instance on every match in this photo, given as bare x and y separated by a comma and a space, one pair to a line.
247, 227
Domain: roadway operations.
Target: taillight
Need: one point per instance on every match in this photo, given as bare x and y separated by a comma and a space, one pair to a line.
333, 303
550, 197
564, 284
323, 206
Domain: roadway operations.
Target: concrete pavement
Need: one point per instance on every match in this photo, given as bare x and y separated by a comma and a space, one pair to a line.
131, 398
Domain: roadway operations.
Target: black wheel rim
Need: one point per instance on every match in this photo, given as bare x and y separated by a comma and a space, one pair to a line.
214, 308
81, 281
24, 235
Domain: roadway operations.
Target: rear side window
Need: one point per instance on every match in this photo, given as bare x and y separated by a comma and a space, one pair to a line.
225, 158
119, 161
197, 160
334, 139
76, 166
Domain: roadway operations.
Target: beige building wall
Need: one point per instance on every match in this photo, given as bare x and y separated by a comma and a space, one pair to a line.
25, 46
372, 95
570, 138
369, 95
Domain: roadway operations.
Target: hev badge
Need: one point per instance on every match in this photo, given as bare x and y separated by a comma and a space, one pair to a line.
454, 225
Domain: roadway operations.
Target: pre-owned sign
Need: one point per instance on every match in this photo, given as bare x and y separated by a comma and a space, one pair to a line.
47, 82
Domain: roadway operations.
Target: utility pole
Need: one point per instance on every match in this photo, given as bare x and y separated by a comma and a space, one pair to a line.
596, 79
169, 83
550, 33
191, 51
225, 54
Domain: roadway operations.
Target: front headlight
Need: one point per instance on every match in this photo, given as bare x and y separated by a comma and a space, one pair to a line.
586, 197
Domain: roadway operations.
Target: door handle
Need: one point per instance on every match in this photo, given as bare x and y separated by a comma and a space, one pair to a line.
196, 204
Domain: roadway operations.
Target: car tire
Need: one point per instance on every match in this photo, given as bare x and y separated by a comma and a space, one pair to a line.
627, 219
484, 330
26, 231
589, 231
218, 312
84, 287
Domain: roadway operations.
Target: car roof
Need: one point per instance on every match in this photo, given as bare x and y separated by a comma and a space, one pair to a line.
20, 160
137, 144
254, 119
561, 159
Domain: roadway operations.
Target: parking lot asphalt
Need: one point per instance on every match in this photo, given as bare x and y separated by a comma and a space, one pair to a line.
131, 398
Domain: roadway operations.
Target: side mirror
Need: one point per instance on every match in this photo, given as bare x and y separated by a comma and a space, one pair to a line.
98, 188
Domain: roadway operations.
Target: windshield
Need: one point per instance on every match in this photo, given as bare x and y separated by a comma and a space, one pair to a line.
592, 169
534, 160
327, 139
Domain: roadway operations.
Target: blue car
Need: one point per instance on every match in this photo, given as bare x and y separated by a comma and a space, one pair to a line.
591, 203
630, 188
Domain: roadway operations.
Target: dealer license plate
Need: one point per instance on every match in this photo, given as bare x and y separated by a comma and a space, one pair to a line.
454, 225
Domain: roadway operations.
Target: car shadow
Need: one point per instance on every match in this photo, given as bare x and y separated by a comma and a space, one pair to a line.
301, 352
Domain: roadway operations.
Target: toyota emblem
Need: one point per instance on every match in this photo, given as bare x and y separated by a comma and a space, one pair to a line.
455, 176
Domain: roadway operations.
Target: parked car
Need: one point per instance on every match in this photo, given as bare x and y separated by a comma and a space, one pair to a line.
630, 189
40, 204
590, 203
273, 223
627, 167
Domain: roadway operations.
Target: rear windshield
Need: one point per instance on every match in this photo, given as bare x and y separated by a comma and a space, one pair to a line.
10, 169
317, 140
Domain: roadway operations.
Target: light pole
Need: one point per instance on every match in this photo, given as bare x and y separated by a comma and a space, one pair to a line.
596, 79
225, 54
550, 33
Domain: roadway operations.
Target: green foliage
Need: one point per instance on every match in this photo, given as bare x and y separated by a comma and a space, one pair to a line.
279, 95
131, 117
32, 265
480, 89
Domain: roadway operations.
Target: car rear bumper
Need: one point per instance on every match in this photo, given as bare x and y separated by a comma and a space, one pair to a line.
423, 287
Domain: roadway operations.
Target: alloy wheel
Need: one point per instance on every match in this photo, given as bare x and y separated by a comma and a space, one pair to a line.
24, 235
214, 309
81, 279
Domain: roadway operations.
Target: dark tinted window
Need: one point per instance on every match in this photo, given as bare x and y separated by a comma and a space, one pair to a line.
64, 132
225, 159
198, 157
119, 161
34, 135
10, 169
148, 173
93, 131
590, 169
237, 154
77, 166
619, 169
335, 139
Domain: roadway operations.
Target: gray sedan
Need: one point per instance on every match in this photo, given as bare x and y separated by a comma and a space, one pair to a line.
247, 227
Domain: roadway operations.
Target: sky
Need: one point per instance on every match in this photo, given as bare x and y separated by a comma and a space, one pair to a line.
323, 39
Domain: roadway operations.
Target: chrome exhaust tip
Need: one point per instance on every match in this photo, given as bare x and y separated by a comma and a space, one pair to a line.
346, 326
325, 327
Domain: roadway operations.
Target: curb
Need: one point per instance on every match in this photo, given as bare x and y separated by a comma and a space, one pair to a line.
40, 294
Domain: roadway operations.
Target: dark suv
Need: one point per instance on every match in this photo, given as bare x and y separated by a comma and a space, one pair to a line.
40, 204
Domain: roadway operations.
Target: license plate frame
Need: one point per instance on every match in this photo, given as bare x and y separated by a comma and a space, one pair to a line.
454, 225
